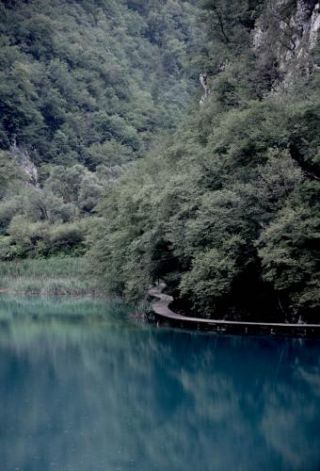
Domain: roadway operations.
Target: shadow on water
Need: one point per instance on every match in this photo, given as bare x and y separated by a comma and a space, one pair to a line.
116, 396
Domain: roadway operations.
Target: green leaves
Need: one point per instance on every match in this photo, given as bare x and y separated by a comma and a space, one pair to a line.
74, 79
225, 210
213, 273
226, 213
289, 250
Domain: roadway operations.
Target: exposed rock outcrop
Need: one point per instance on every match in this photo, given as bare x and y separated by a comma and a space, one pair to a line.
287, 37
23, 160
204, 83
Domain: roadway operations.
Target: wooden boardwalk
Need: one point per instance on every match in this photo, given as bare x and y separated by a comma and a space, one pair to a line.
164, 314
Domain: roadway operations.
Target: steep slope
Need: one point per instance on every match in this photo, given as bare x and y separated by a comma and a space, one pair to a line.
91, 81
227, 211
85, 88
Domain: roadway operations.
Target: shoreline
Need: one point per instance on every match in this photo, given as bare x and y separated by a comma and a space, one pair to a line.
165, 316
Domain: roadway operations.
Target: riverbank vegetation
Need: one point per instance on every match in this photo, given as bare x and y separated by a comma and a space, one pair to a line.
106, 153
227, 210
48, 277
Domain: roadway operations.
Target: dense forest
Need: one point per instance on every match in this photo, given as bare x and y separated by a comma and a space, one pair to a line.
105, 147
227, 210
85, 89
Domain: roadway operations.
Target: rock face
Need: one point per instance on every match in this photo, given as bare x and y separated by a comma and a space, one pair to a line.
204, 83
23, 160
286, 36
305, 25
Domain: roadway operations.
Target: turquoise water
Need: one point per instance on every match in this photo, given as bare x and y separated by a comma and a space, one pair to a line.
108, 394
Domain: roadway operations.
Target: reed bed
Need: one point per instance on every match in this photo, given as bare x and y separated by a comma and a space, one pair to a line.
48, 277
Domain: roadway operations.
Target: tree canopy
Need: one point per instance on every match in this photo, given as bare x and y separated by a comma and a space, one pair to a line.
227, 210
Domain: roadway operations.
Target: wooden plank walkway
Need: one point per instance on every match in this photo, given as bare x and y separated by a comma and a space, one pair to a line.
161, 310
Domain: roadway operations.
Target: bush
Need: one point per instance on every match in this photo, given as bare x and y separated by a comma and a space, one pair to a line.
64, 237
28, 237
7, 250
8, 209
42, 239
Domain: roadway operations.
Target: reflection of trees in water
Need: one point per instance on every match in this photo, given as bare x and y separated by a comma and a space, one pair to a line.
86, 398
291, 417
65, 309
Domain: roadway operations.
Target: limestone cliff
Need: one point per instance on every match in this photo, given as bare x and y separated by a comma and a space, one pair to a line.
24, 162
286, 38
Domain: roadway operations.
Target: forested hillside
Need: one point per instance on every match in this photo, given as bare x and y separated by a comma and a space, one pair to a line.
90, 81
104, 145
227, 211
85, 88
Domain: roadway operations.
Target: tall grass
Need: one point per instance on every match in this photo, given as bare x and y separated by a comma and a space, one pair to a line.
53, 276
50, 268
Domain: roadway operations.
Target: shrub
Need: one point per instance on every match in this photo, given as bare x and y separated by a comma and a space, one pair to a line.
7, 250
8, 209
64, 237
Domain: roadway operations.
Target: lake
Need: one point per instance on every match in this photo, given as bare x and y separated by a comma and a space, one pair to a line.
84, 388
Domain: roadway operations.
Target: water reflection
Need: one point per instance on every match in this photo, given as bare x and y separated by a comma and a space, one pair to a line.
121, 397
